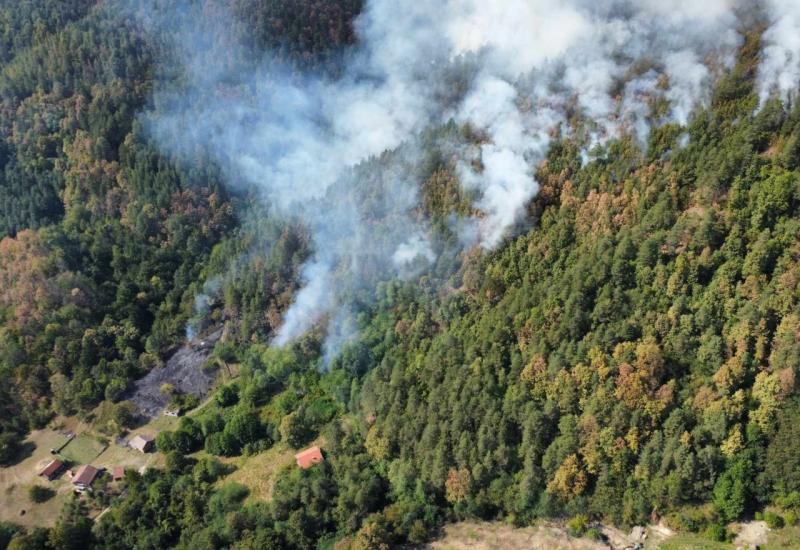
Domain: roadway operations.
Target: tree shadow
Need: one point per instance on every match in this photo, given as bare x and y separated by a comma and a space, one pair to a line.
24, 451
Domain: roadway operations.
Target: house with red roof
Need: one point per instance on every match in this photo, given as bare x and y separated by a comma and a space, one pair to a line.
52, 469
84, 477
306, 459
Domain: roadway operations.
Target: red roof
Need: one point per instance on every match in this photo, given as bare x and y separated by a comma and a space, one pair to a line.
85, 475
118, 472
309, 457
52, 467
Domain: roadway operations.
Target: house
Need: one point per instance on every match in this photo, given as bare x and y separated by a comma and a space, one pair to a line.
84, 477
142, 443
52, 469
117, 473
306, 459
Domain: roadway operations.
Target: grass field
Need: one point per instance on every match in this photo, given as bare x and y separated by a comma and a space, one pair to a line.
259, 472
83, 449
788, 537
120, 455
688, 541
16, 480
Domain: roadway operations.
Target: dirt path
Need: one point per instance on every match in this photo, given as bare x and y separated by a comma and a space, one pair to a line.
498, 536
751, 534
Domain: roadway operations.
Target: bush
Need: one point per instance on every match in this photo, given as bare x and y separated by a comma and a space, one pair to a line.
227, 396
165, 442
577, 525
690, 518
222, 444
792, 500
594, 533
717, 532
774, 521
790, 517
37, 493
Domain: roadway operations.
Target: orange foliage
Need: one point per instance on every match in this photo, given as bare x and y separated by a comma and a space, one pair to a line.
28, 280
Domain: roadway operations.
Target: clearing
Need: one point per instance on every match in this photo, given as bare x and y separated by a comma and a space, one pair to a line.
184, 371
491, 536
15, 505
83, 449
260, 471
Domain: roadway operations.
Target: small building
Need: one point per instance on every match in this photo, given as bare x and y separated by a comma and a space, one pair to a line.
84, 477
306, 459
142, 443
117, 473
52, 469
172, 412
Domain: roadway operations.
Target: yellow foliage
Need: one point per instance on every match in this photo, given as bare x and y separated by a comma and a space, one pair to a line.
734, 442
377, 445
569, 479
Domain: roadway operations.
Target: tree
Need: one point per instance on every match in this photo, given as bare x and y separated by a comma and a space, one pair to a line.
9, 447
227, 396
39, 494
165, 441
293, 430
732, 491
73, 531
245, 427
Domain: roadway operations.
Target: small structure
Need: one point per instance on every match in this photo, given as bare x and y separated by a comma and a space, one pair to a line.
142, 443
117, 473
52, 469
306, 459
172, 412
84, 477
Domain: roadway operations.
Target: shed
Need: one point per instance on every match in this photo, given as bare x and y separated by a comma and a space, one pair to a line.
307, 458
51, 470
84, 477
117, 473
143, 443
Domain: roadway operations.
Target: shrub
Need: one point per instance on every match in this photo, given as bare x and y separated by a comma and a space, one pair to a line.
37, 493
774, 521
577, 525
792, 500
594, 533
227, 396
717, 532
790, 517
165, 442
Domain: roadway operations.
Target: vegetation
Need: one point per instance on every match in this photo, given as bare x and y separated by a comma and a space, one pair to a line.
39, 493
634, 352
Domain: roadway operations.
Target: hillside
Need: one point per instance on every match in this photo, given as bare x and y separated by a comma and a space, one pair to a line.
493, 284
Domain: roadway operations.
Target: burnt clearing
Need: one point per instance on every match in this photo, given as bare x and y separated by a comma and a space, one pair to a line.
183, 370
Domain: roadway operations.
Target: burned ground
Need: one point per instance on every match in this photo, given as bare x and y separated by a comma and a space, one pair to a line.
183, 370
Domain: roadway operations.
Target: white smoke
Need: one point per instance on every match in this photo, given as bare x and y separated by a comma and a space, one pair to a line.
780, 68
524, 68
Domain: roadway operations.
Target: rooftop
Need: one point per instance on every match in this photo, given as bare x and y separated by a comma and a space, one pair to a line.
85, 475
52, 467
309, 457
140, 442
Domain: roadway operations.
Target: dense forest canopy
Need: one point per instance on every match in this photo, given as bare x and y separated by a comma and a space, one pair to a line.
623, 343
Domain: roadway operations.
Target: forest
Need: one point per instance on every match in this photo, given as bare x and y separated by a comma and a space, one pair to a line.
631, 353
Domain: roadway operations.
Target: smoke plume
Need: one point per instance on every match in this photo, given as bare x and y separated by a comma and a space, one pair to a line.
524, 69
